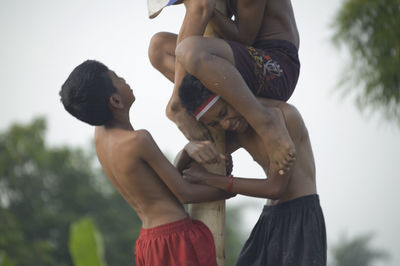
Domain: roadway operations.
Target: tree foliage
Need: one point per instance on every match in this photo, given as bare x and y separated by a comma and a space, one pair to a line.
356, 252
370, 30
86, 244
234, 235
43, 190
4, 261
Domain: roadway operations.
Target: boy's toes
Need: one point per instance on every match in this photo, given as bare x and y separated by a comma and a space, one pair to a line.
284, 170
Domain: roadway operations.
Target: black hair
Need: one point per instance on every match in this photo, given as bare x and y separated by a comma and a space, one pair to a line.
86, 93
193, 93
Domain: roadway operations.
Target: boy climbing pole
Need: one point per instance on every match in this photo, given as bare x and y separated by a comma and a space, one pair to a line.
257, 58
291, 228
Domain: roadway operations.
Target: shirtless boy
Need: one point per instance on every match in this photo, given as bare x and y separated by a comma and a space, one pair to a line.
139, 171
257, 57
291, 228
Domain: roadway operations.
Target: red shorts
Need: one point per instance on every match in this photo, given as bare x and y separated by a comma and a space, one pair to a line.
185, 242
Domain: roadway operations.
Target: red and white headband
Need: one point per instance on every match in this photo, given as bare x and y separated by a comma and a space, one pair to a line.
206, 106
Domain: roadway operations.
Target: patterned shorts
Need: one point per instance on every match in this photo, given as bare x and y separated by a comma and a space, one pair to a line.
270, 67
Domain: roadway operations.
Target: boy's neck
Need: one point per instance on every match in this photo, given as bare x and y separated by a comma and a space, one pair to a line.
120, 121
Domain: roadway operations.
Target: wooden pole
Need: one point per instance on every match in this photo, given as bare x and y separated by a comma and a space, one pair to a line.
213, 213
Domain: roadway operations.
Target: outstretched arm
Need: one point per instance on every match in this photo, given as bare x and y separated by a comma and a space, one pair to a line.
183, 190
271, 188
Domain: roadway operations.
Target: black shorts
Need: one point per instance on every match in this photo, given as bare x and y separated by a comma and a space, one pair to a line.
269, 67
288, 234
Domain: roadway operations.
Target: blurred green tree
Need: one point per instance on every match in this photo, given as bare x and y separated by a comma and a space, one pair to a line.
4, 261
235, 236
44, 189
370, 30
356, 252
86, 244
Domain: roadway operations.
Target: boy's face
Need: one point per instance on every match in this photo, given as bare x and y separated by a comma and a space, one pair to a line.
225, 116
122, 88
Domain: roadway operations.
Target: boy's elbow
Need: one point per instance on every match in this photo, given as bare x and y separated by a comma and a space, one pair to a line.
185, 201
184, 197
204, 8
277, 190
188, 200
275, 194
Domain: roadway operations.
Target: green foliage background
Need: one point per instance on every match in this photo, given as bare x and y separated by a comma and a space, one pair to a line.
86, 244
43, 190
370, 31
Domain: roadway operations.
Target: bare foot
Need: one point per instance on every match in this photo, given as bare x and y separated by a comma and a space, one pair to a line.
279, 145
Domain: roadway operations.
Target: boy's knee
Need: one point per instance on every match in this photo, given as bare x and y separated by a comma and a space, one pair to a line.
190, 53
172, 108
155, 51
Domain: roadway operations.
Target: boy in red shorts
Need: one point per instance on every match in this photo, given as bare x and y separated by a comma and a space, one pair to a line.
139, 171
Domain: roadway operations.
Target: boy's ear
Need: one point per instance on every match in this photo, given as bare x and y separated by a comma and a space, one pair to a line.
116, 101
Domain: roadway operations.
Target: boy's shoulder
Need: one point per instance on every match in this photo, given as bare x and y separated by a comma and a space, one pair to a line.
293, 119
141, 135
131, 142
290, 111
139, 138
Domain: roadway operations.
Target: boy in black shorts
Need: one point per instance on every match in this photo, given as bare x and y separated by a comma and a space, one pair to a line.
291, 228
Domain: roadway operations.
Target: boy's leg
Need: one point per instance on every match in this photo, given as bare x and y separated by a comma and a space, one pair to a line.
211, 60
162, 53
198, 13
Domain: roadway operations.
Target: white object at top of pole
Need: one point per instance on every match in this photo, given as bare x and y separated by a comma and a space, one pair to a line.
155, 6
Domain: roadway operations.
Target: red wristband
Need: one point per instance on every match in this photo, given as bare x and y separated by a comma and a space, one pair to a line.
230, 183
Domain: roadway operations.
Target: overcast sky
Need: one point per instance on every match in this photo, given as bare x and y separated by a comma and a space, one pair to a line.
356, 155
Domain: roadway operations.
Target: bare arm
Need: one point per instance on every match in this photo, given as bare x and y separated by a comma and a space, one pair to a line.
271, 188
247, 24
183, 190
182, 160
205, 152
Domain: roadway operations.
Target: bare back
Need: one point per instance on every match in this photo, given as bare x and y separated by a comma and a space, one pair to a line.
279, 22
302, 175
118, 153
263, 19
